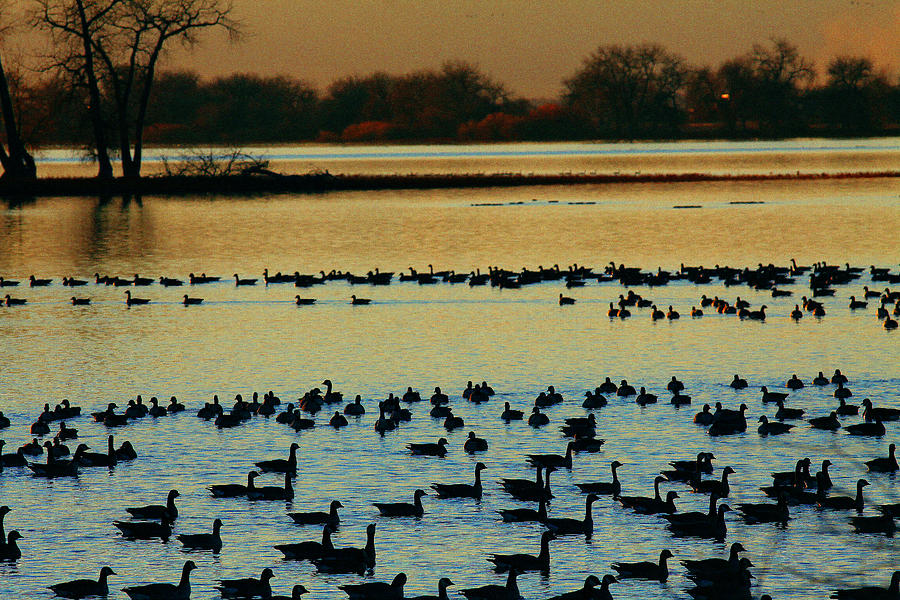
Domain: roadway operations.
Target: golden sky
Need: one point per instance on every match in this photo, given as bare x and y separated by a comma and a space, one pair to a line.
531, 45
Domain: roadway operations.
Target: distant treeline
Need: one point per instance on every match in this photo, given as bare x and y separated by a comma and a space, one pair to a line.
619, 92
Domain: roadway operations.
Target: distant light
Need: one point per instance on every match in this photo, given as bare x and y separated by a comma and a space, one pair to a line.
725, 96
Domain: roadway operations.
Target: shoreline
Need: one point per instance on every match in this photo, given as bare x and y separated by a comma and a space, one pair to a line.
325, 182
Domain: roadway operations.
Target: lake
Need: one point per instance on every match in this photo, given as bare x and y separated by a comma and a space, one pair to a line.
254, 338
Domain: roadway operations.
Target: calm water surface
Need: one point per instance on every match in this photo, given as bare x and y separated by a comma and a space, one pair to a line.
255, 339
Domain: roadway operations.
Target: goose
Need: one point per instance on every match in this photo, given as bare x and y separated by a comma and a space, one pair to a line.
672, 314
774, 428
170, 282
680, 399
233, 490
53, 467
829, 423
728, 422
842, 392
201, 279
820, 379
768, 396
525, 562
271, 492
349, 560
438, 397
633, 501
796, 314
794, 383
10, 301
59, 449
496, 592
475, 444
214, 409
569, 526
645, 569
509, 414
141, 281
94, 459
656, 314
875, 429
721, 488
384, 424
453, 422
525, 515
189, 301
608, 387
443, 583
84, 588
80, 301
238, 281
644, 398
308, 550
403, 509
303, 301
461, 490
174, 405
144, 530
693, 516
553, 460
701, 464
34, 282
839, 377
704, 417
787, 413
565, 300
248, 587
716, 565
537, 418
842, 502
16, 459
525, 489
330, 518
125, 452
885, 414
376, 590
880, 524
10, 550
428, 448
155, 409
738, 383
886, 464
355, 408
855, 304
594, 400
674, 385
766, 513
612, 312
890, 323
66, 433
613, 488
587, 592
715, 529
7, 283
359, 301
871, 592
129, 301
32, 448
72, 282
169, 512
203, 541
281, 465
410, 396
625, 389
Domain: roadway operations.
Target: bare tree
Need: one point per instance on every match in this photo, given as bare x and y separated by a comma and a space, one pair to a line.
17, 163
113, 48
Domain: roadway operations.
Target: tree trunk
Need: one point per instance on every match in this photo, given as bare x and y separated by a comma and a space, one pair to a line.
17, 163
105, 170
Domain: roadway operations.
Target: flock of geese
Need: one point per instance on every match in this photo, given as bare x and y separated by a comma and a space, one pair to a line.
822, 281
712, 578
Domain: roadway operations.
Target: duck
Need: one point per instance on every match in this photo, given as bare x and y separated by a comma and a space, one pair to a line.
525, 515
645, 569
169, 512
203, 541
271, 492
308, 550
461, 490
537, 418
570, 526
403, 509
133, 301
773, 428
842, 502
738, 383
429, 448
829, 423
248, 587
281, 465
886, 464
376, 590
238, 281
84, 588
475, 444
525, 562
359, 301
145, 530
443, 583
509, 414
330, 518
496, 592
10, 550
766, 513
233, 490
871, 592
355, 408
607, 488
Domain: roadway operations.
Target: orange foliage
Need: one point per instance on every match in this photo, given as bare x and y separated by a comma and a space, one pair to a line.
368, 131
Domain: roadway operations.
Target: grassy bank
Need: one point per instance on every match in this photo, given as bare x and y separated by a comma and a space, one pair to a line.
324, 182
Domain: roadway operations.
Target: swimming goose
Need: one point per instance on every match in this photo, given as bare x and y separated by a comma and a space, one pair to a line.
714, 529
708, 566
189, 301
248, 587
233, 490
66, 433
509, 414
774, 428
537, 418
794, 383
16, 459
475, 444
403, 509
438, 397
672, 314
525, 515
452, 422
594, 400
203, 541
10, 550
588, 591
308, 550
8, 282
443, 583
704, 417
843, 502
871, 592
553, 460
95, 459
738, 383
842, 392
644, 398
728, 422
238, 281
170, 282
145, 530
787, 413
525, 562
376, 590
202, 278
496, 592
349, 560
880, 524
565, 300
604, 487
355, 408
429, 448
873, 429
359, 301
330, 518
281, 465
645, 569
10, 301
886, 464
125, 452
155, 409
872, 413
608, 387
635, 501
569, 526
80, 301
271, 492
72, 282
169, 512
303, 301
612, 312
768, 396
766, 513
129, 301
713, 486
701, 464
656, 314
525, 489
174, 406
461, 490
338, 420
84, 588
625, 390
53, 467
829, 423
